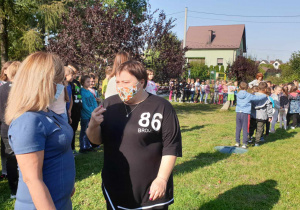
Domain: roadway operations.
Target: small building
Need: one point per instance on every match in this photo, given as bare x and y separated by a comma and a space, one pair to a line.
276, 64
215, 45
264, 62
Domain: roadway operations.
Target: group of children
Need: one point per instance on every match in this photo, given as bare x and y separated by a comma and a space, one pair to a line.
262, 106
209, 91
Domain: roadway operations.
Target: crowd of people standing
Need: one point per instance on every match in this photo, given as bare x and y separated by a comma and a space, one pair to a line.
42, 102
261, 104
205, 91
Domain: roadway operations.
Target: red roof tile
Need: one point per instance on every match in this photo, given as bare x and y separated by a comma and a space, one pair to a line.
225, 37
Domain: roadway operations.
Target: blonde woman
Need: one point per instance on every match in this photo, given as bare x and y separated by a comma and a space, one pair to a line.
40, 138
11, 162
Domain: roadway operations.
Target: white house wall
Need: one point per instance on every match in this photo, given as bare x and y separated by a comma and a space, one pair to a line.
211, 56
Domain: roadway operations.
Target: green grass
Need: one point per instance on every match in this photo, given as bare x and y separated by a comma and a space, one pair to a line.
266, 177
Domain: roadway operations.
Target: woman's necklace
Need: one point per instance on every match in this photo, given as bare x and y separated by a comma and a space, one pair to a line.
127, 114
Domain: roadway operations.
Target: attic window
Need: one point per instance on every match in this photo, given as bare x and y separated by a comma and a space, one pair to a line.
220, 61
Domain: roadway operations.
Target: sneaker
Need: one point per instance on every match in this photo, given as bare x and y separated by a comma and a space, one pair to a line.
13, 196
292, 127
257, 145
262, 138
244, 146
237, 145
272, 131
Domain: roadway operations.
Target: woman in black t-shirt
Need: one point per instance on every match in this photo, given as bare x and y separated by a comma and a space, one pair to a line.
142, 139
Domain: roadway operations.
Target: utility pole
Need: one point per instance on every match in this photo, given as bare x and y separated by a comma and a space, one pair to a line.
185, 26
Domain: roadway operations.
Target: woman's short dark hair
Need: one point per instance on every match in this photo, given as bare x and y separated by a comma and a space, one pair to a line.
83, 79
134, 68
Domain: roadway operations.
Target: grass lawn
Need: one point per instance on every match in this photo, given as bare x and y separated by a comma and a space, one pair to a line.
266, 177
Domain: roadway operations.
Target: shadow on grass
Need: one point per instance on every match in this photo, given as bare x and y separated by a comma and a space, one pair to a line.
201, 160
262, 196
195, 108
186, 129
88, 164
280, 134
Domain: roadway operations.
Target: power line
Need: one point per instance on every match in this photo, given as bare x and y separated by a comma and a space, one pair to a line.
240, 21
274, 50
175, 13
252, 16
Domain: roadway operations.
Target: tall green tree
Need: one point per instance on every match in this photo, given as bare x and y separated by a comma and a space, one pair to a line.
24, 24
295, 62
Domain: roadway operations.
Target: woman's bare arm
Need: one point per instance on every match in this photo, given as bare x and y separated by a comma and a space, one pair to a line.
31, 166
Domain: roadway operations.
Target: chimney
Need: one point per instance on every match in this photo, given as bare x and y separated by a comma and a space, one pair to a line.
210, 36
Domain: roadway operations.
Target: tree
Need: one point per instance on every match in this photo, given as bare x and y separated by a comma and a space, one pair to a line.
167, 53
94, 33
295, 62
243, 69
24, 24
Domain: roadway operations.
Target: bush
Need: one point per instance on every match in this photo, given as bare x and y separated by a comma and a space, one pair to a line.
222, 69
199, 70
295, 62
243, 69
217, 68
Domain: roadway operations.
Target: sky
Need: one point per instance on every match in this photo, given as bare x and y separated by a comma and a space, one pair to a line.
267, 38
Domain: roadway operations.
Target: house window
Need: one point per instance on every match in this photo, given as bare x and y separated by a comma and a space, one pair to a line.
220, 61
197, 60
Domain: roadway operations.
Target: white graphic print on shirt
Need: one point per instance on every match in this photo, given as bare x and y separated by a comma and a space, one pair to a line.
144, 122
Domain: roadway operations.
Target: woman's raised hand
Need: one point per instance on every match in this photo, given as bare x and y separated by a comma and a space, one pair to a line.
97, 116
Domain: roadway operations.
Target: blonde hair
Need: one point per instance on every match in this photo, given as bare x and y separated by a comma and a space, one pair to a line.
12, 70
3, 76
35, 87
68, 70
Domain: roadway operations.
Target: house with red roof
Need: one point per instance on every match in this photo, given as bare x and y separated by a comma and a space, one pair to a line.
215, 45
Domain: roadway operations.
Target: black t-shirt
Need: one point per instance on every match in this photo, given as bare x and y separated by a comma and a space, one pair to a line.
77, 100
4, 92
134, 146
